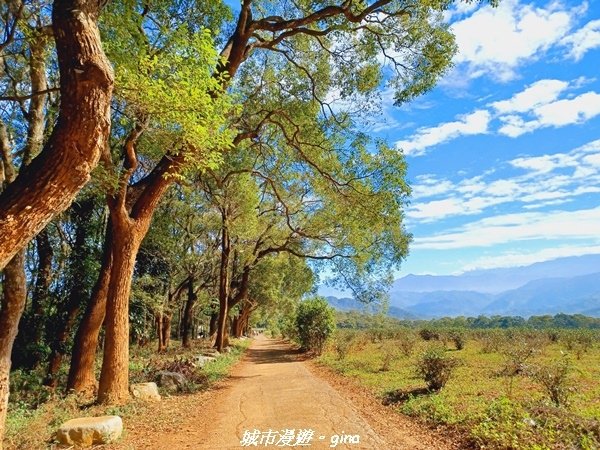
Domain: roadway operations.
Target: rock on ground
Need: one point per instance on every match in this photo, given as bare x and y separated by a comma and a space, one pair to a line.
201, 360
87, 431
145, 391
171, 381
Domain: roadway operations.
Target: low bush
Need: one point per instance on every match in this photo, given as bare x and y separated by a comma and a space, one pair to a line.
315, 322
458, 338
343, 343
428, 334
435, 368
555, 380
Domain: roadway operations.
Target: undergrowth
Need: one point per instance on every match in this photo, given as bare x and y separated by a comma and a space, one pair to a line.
35, 412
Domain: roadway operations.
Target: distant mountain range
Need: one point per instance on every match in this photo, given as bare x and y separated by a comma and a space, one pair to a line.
568, 285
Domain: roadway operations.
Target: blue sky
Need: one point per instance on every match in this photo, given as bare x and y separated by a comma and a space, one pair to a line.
504, 155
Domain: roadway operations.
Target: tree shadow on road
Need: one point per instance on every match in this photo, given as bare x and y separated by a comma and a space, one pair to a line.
275, 354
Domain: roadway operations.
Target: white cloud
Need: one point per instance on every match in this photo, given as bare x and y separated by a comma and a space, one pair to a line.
438, 209
544, 163
514, 126
541, 181
428, 186
470, 124
535, 95
537, 106
583, 40
581, 224
557, 113
565, 112
497, 40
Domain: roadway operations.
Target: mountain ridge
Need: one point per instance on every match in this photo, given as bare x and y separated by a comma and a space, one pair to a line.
565, 285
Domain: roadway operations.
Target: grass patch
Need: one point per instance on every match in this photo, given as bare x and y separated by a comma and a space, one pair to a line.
494, 410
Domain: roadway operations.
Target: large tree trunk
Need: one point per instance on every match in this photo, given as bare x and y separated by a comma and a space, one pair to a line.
187, 314
114, 378
13, 303
241, 320
82, 378
14, 284
49, 184
131, 211
166, 327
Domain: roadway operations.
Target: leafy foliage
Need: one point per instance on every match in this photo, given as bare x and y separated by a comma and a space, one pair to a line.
435, 367
315, 323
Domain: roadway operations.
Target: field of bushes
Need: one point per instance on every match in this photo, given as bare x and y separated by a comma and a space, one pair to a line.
512, 388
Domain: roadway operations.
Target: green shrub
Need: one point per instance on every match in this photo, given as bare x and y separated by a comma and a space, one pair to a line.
517, 355
507, 424
343, 343
315, 322
555, 380
504, 425
435, 368
390, 352
491, 340
459, 339
428, 334
407, 342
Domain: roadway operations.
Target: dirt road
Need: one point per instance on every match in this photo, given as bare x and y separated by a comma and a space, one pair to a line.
273, 399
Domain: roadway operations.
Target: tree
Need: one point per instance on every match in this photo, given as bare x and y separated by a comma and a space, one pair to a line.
168, 133
315, 322
47, 185
287, 31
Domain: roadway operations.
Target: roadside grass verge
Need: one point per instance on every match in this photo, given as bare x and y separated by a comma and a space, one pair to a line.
35, 413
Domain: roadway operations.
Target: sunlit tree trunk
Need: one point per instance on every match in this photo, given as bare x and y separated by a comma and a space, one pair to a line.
113, 387
82, 378
129, 226
12, 305
49, 184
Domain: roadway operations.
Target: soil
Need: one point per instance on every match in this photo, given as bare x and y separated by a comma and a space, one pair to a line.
275, 399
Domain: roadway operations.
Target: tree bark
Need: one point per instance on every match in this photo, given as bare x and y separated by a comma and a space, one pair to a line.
81, 214
163, 322
114, 377
212, 327
12, 305
131, 211
49, 184
187, 314
82, 378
